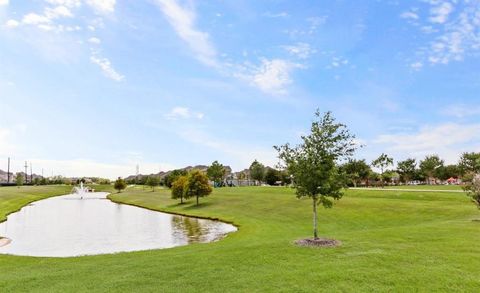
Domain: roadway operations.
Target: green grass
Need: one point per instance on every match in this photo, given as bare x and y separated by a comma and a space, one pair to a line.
428, 187
392, 242
13, 198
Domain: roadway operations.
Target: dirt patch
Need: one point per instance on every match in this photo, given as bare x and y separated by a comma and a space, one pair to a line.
4, 241
319, 242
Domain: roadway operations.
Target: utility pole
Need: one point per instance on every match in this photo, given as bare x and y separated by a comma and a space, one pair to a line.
8, 171
26, 174
31, 174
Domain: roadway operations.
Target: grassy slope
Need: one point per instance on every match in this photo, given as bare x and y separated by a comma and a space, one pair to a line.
393, 241
13, 198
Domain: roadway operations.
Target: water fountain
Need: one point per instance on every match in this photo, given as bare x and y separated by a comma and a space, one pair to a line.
80, 190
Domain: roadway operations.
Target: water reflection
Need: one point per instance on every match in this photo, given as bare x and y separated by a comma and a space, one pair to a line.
70, 226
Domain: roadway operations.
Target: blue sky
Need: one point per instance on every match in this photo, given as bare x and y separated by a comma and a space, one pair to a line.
94, 87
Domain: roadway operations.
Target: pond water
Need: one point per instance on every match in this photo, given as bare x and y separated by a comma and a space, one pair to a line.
71, 226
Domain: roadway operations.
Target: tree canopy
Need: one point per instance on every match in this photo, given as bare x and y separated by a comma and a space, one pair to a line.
406, 169
172, 176
197, 185
152, 181
120, 184
356, 171
313, 163
469, 163
19, 179
216, 172
429, 165
179, 188
382, 162
257, 171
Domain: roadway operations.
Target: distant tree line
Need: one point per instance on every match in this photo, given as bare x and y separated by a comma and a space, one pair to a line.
430, 170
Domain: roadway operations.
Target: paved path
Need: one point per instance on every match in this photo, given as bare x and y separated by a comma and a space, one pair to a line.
409, 190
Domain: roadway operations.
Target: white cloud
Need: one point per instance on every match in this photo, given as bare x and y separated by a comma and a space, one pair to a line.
276, 15
300, 50
448, 140
107, 68
183, 113
454, 35
66, 3
35, 19
102, 6
94, 40
182, 19
271, 76
416, 65
57, 12
409, 15
12, 23
3, 2
440, 13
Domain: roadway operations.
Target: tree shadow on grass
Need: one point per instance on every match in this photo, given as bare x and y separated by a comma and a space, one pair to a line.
201, 205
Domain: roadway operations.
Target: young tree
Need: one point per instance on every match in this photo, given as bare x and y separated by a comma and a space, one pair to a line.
356, 170
429, 165
216, 172
257, 171
382, 162
120, 184
179, 188
313, 163
20, 179
197, 185
406, 169
152, 181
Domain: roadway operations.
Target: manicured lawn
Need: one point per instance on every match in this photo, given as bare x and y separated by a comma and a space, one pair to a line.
427, 187
392, 242
13, 198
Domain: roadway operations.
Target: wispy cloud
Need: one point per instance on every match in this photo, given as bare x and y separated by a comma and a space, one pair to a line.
453, 26
102, 6
409, 15
94, 40
440, 12
300, 50
183, 113
272, 76
182, 19
107, 67
276, 14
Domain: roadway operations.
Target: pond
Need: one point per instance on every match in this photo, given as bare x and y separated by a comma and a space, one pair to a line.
68, 225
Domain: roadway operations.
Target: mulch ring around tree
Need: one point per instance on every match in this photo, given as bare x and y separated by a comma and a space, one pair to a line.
319, 242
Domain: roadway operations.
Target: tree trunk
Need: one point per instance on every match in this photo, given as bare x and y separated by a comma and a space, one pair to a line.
197, 200
315, 220
354, 183
181, 199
